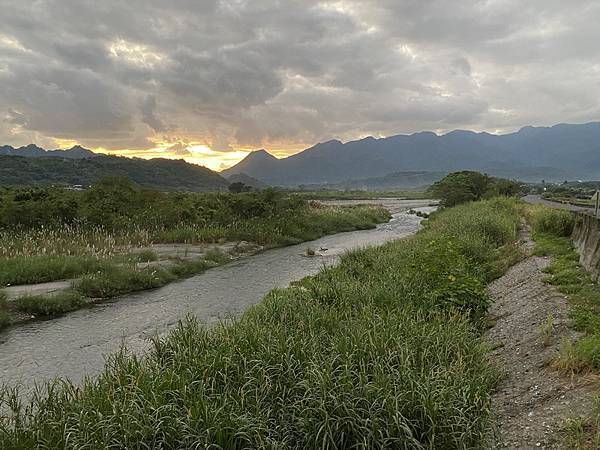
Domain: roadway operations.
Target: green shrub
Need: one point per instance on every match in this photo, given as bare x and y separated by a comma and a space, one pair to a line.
42, 305
119, 280
186, 268
147, 255
544, 219
44, 268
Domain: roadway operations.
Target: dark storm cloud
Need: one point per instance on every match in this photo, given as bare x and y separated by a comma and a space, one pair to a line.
239, 73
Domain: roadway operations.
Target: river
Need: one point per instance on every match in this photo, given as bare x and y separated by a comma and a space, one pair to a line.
75, 344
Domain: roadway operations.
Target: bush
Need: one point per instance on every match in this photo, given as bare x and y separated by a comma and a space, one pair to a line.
119, 280
40, 305
544, 219
469, 186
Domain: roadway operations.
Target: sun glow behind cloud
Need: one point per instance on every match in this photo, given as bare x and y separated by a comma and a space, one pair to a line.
203, 155
199, 154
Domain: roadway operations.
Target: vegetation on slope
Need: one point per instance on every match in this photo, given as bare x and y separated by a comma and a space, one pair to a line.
163, 174
382, 350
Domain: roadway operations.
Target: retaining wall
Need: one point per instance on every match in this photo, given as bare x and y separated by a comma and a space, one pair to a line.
586, 237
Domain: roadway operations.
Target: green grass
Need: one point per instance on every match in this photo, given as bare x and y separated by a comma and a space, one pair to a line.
48, 264
571, 279
551, 231
383, 350
44, 268
119, 280
4, 314
50, 305
557, 222
583, 433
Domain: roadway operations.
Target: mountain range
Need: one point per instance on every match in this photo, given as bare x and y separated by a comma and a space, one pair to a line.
33, 151
564, 151
530, 154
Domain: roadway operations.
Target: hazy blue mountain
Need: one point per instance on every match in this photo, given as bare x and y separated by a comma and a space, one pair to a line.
163, 174
33, 151
532, 153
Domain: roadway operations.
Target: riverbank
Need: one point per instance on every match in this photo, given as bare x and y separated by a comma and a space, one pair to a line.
361, 354
75, 345
133, 268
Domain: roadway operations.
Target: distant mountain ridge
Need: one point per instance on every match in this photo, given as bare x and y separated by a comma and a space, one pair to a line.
162, 174
532, 153
33, 151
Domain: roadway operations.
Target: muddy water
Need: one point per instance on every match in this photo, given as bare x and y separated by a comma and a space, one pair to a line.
75, 345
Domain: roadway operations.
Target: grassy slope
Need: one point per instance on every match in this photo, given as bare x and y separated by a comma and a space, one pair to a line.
380, 351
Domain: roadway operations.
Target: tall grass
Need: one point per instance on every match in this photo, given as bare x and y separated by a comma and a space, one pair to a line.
546, 220
40, 305
4, 315
40, 255
381, 351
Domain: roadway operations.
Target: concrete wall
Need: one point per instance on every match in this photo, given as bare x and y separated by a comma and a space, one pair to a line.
586, 237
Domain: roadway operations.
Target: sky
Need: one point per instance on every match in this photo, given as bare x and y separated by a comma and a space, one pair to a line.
211, 80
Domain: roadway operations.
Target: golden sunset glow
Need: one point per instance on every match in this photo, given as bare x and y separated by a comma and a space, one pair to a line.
195, 154
200, 154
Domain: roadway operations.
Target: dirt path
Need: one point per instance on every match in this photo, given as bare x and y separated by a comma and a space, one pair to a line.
532, 401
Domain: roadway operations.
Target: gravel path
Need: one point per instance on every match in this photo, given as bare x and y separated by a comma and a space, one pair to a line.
532, 401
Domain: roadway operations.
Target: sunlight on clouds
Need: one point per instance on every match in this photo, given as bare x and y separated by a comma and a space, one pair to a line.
203, 155
195, 154
11, 43
136, 54
65, 143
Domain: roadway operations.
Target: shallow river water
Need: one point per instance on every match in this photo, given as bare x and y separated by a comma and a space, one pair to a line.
75, 345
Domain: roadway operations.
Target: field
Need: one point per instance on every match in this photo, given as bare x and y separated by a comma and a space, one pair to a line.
105, 238
383, 350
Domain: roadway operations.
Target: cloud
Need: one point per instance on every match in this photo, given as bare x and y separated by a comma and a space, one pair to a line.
236, 74
149, 117
179, 149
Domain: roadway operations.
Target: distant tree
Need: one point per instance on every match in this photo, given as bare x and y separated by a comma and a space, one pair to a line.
468, 186
239, 187
501, 186
110, 201
461, 187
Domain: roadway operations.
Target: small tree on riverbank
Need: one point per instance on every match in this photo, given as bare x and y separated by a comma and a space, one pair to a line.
467, 186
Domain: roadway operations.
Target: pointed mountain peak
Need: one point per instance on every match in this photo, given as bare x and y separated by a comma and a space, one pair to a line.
259, 154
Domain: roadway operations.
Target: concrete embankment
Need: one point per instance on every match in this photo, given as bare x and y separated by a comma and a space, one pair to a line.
586, 237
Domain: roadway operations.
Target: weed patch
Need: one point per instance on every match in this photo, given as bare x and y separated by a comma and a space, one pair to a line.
51, 305
4, 315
